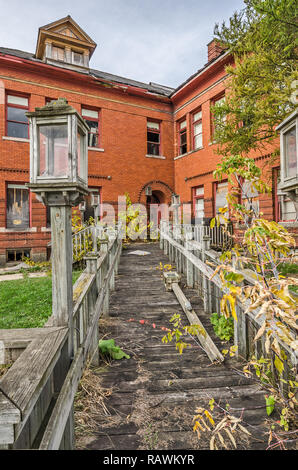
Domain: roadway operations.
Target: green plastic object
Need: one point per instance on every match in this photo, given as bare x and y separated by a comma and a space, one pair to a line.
107, 347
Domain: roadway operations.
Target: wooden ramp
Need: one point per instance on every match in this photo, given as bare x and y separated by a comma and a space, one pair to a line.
155, 392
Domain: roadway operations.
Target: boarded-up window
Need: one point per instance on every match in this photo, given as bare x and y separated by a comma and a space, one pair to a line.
17, 207
57, 53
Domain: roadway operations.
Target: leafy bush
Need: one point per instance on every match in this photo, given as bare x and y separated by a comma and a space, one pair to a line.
223, 327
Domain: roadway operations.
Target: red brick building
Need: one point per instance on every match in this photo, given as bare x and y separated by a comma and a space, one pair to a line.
142, 135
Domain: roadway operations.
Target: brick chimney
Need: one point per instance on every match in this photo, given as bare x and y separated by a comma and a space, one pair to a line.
214, 49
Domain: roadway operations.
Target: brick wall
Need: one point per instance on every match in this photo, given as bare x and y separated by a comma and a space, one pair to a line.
121, 164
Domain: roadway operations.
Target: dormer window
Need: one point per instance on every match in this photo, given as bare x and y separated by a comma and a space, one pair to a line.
65, 42
58, 53
77, 58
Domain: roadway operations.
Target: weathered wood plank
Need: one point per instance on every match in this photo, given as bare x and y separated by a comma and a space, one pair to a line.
59, 417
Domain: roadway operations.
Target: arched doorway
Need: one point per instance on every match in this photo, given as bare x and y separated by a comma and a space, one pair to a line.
154, 214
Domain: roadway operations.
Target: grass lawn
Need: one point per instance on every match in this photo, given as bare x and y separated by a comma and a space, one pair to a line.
26, 303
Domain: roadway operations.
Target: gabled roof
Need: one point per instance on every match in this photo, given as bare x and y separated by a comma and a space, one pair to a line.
65, 30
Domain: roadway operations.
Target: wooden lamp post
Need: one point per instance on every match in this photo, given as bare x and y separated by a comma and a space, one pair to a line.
59, 177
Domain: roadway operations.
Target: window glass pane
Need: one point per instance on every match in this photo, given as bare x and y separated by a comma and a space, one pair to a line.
248, 190
93, 140
199, 208
152, 149
197, 128
19, 100
153, 125
90, 113
17, 209
199, 191
183, 138
16, 114
197, 116
198, 141
15, 129
221, 196
183, 125
153, 137
53, 145
80, 146
77, 58
291, 152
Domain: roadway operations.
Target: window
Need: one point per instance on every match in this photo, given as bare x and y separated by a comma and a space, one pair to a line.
77, 58
284, 208
17, 207
250, 197
93, 202
153, 138
197, 130
92, 118
221, 192
218, 121
290, 152
16, 120
48, 100
198, 203
58, 53
182, 137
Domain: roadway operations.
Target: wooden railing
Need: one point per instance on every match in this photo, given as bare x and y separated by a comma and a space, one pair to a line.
191, 257
37, 392
220, 237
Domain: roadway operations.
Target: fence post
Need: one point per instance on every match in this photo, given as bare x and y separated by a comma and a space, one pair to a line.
161, 240
189, 265
104, 246
206, 283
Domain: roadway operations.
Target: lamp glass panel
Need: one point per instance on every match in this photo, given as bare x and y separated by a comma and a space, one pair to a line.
53, 151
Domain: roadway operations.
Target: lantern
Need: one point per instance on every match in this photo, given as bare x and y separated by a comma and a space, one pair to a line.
58, 152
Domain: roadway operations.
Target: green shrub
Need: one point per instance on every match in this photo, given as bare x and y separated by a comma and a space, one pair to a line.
223, 327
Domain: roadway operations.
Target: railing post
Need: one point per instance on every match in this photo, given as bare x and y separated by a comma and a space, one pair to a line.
206, 283
104, 246
161, 240
189, 265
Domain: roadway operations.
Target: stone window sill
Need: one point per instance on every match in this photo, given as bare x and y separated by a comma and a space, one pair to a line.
25, 230
159, 157
188, 153
15, 139
96, 149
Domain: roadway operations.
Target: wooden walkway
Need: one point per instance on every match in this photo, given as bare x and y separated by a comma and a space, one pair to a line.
155, 392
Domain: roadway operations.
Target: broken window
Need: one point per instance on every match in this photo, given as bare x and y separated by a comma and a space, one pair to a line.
77, 58
91, 117
182, 137
92, 205
17, 207
16, 119
153, 138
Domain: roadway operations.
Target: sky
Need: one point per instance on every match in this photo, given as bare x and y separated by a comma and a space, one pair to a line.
160, 41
